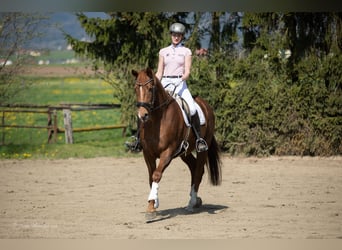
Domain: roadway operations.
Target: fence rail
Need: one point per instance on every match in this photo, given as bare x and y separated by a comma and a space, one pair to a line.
52, 125
73, 106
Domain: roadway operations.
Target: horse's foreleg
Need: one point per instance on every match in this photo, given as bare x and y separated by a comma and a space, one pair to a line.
153, 201
156, 175
153, 196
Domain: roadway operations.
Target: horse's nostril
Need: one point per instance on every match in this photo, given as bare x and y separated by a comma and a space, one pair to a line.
145, 117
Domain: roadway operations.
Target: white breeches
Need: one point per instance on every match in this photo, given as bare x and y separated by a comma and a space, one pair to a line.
180, 88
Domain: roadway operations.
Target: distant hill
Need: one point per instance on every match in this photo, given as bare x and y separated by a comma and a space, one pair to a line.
52, 36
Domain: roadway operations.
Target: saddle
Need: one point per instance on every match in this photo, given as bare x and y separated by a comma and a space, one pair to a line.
186, 111
184, 106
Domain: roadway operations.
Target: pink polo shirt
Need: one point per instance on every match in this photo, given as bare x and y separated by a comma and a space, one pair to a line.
174, 58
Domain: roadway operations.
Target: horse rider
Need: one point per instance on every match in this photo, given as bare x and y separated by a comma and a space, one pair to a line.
173, 70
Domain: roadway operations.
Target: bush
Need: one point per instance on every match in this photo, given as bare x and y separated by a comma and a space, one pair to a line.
275, 116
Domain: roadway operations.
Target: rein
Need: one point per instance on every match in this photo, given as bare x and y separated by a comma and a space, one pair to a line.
150, 105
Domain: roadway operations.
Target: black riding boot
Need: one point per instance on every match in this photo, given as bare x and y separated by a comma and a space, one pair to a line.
134, 145
201, 144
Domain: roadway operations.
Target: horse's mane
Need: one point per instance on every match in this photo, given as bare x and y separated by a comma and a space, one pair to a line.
160, 89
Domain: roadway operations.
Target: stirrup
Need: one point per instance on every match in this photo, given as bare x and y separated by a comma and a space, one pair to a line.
201, 145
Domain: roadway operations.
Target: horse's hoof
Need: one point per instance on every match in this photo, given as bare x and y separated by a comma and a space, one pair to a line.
191, 206
198, 202
150, 216
189, 209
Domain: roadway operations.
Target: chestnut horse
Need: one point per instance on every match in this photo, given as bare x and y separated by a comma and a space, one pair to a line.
165, 135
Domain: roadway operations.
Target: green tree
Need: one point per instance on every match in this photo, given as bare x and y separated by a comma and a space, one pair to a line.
17, 30
122, 42
301, 33
213, 71
289, 87
275, 89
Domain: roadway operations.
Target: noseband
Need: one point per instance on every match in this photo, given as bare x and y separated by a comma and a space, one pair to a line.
148, 105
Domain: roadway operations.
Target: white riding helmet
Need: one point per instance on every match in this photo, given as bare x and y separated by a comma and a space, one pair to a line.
177, 28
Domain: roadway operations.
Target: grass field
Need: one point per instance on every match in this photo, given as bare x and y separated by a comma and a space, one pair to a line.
32, 143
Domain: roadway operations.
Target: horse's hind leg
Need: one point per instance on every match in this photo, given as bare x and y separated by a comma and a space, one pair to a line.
190, 161
196, 167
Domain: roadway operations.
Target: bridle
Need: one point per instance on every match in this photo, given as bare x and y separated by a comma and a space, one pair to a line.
150, 105
146, 105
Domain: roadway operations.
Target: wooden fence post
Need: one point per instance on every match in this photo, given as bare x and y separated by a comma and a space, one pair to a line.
3, 128
55, 128
52, 125
68, 126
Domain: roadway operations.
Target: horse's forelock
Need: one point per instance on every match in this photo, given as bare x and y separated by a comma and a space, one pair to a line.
145, 75
149, 72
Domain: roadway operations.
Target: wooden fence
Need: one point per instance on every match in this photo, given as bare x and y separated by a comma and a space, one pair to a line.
52, 119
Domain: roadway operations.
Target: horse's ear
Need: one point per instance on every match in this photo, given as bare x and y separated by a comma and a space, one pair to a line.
135, 73
149, 72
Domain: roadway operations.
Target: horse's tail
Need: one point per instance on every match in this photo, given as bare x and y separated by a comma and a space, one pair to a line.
214, 163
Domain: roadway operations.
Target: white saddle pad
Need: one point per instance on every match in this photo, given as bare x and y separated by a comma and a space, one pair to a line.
200, 115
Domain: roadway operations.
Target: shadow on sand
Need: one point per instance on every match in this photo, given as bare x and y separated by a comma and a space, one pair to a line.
173, 212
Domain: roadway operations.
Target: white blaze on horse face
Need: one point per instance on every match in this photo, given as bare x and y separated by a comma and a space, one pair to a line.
154, 194
141, 93
141, 110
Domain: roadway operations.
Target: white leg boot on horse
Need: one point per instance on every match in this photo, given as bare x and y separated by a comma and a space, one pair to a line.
153, 203
195, 201
153, 196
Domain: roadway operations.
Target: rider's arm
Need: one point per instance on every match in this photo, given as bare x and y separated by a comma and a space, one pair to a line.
187, 67
160, 68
